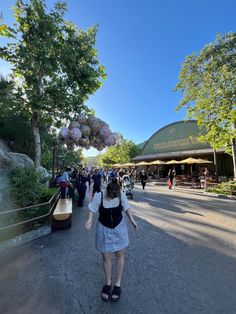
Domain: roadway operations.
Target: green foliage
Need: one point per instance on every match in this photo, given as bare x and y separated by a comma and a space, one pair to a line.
54, 63
208, 84
224, 188
123, 152
73, 158
93, 161
27, 186
47, 194
16, 130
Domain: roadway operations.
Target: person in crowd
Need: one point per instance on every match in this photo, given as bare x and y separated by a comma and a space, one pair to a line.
96, 179
170, 179
132, 174
58, 178
65, 182
90, 174
81, 185
105, 176
143, 178
121, 173
101, 172
71, 188
111, 233
111, 174
206, 177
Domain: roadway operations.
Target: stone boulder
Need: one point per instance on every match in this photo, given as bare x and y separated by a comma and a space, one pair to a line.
20, 160
45, 175
8, 161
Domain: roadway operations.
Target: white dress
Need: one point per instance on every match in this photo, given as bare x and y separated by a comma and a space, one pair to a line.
108, 239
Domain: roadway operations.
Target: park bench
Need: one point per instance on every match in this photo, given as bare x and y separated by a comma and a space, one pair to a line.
62, 214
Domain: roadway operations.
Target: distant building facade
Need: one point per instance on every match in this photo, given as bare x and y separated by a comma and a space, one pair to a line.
179, 140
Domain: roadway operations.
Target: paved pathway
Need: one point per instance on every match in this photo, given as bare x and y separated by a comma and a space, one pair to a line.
181, 260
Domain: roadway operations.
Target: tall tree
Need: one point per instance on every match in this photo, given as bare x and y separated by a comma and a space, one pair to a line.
55, 64
123, 152
208, 83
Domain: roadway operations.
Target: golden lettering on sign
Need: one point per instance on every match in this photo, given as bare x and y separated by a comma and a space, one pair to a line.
177, 143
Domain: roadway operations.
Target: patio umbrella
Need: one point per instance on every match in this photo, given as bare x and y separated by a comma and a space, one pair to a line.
117, 165
157, 162
143, 163
203, 161
189, 161
172, 162
128, 164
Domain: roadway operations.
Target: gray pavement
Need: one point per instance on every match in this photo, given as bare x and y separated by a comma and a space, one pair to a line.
181, 260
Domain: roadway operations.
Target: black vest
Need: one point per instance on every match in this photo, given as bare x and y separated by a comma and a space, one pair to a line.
110, 217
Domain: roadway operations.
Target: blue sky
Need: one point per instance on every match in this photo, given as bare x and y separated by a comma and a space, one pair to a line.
142, 45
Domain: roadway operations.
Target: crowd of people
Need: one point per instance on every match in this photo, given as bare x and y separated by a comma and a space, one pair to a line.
72, 180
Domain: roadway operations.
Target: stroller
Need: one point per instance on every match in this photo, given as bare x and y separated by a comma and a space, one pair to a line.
127, 187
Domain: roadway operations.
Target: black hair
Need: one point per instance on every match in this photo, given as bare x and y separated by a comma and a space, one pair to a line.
113, 188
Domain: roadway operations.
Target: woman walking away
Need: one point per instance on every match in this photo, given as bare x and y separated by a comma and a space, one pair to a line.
81, 181
111, 233
143, 178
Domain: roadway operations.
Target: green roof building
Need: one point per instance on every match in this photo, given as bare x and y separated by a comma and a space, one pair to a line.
179, 140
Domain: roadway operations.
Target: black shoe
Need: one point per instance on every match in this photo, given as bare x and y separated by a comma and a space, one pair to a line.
106, 290
115, 292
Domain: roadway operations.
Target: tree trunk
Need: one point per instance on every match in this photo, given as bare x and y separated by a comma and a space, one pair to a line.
215, 162
37, 144
234, 156
53, 163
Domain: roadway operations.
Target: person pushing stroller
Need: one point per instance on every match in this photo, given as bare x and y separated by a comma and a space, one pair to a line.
127, 186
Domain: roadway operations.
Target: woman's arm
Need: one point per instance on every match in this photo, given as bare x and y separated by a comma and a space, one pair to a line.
89, 222
131, 218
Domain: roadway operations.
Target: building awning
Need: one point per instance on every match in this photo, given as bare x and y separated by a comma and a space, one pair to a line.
179, 154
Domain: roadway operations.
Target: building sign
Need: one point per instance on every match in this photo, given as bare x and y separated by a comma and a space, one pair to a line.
176, 143
178, 136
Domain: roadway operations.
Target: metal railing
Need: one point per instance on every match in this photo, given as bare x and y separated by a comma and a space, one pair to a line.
20, 216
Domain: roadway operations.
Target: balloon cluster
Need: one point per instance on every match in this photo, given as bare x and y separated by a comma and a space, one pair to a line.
87, 132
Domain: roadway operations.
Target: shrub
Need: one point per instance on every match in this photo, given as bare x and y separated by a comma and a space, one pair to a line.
47, 194
225, 188
27, 186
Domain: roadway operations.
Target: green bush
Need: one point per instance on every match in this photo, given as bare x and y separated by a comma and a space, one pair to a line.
47, 194
27, 186
224, 188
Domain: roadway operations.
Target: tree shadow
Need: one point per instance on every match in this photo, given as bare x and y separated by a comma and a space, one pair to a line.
166, 270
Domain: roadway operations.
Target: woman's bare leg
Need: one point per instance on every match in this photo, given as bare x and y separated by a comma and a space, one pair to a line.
120, 261
107, 260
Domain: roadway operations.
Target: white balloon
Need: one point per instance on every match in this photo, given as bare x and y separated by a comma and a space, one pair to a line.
85, 130
75, 134
73, 124
64, 132
82, 119
104, 131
